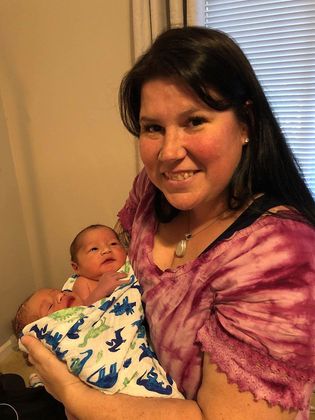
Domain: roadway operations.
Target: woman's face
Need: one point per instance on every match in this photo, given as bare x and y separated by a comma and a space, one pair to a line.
190, 151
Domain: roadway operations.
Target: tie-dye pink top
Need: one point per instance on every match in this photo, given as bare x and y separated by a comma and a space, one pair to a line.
248, 302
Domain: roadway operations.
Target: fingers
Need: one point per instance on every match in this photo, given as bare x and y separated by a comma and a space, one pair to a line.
121, 275
113, 275
54, 374
123, 282
31, 343
36, 350
123, 279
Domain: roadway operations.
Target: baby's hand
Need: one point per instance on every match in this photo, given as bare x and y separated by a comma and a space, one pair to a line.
110, 280
106, 285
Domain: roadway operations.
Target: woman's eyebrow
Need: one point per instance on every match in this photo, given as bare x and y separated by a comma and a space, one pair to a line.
184, 114
145, 119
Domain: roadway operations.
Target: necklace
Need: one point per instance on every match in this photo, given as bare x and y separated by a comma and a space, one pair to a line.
181, 246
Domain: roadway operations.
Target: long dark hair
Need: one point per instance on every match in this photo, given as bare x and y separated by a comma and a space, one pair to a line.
206, 59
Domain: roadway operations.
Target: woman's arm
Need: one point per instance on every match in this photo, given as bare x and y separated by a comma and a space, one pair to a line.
219, 399
85, 403
216, 400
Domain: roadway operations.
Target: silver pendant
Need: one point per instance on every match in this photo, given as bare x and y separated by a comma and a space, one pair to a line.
181, 247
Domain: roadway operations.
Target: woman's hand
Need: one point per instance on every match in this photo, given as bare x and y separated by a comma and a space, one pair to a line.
85, 403
53, 373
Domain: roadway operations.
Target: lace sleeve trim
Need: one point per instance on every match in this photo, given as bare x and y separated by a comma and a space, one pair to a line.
266, 378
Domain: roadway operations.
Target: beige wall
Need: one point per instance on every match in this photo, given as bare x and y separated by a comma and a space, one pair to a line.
66, 160
15, 261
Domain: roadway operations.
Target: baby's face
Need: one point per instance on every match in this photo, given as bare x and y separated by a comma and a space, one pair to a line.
100, 251
46, 301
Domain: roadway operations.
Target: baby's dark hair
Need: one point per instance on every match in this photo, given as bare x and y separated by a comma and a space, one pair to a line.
20, 319
76, 243
19, 322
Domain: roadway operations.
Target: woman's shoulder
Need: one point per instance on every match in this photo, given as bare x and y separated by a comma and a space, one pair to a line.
268, 250
142, 192
141, 185
265, 215
281, 234
287, 225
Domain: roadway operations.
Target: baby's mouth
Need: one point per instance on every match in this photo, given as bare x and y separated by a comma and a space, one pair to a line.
68, 300
108, 261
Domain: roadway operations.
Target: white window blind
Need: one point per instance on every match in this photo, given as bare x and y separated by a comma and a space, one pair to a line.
278, 37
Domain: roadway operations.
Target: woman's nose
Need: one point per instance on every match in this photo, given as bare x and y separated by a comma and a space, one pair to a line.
172, 147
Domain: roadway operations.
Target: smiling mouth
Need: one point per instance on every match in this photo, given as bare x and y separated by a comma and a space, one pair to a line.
179, 176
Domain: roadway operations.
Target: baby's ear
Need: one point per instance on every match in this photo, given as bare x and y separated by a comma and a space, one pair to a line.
75, 266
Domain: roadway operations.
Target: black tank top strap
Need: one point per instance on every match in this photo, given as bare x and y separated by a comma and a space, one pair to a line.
252, 213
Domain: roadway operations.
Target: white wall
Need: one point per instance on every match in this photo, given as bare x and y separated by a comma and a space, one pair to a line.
71, 161
15, 261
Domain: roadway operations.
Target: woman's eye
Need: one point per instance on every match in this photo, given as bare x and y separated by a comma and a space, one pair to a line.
196, 121
151, 128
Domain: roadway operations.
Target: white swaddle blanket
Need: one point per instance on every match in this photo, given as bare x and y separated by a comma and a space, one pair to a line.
105, 344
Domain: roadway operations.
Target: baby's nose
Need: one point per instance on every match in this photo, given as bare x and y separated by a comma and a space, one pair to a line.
59, 297
105, 250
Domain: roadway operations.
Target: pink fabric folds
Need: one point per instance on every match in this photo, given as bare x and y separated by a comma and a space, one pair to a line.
248, 302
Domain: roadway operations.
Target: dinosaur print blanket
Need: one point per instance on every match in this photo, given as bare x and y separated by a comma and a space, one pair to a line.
105, 344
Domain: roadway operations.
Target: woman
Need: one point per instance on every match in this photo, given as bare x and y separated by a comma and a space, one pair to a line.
221, 230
